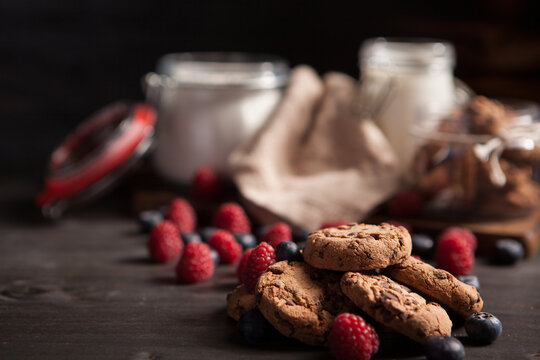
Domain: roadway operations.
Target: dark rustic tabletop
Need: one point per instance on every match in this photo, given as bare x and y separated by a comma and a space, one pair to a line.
83, 288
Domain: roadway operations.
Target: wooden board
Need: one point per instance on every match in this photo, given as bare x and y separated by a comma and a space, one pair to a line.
526, 230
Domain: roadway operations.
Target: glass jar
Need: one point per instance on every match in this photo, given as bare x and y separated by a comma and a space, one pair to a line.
208, 103
411, 79
480, 162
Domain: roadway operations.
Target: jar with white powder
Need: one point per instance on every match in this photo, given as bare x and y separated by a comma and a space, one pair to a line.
209, 103
413, 81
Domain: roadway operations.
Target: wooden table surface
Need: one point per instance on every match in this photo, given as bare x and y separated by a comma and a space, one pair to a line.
83, 288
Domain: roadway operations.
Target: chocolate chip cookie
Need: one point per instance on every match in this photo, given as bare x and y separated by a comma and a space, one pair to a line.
438, 284
355, 247
239, 301
301, 301
396, 306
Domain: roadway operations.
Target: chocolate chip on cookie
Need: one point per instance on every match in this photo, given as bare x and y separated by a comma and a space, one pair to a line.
355, 247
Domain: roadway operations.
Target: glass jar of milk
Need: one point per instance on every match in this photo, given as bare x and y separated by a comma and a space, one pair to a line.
209, 103
414, 78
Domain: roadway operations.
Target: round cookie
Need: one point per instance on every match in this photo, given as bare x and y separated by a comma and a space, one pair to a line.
239, 301
355, 247
301, 301
438, 284
396, 306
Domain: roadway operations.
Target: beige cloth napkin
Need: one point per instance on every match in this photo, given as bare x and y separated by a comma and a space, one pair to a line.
315, 160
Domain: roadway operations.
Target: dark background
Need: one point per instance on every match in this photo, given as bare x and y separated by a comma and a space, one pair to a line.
62, 60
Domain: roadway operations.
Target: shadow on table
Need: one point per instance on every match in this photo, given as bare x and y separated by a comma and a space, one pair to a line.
393, 345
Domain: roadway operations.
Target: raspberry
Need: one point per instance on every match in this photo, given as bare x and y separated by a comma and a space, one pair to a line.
258, 261
182, 215
230, 216
463, 233
277, 233
205, 183
406, 204
454, 254
196, 264
352, 338
242, 264
164, 243
333, 223
225, 244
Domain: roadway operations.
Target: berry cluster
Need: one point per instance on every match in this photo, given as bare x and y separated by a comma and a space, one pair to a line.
229, 240
275, 245
482, 328
198, 253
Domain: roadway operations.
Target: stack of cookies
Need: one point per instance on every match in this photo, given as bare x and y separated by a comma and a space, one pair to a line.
357, 268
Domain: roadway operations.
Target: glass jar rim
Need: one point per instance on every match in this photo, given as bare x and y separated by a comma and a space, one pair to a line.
224, 69
408, 53
524, 113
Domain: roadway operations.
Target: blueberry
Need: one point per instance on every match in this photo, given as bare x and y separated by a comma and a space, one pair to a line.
483, 328
207, 232
508, 251
422, 245
253, 327
215, 256
247, 241
188, 237
300, 235
287, 250
470, 280
149, 218
444, 348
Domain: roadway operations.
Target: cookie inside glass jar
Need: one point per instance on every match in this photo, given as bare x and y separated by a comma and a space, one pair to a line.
480, 161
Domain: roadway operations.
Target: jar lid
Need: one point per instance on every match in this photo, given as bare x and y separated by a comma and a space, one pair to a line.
215, 69
95, 155
410, 53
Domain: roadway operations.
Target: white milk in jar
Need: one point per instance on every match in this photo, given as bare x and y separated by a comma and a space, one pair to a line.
416, 77
208, 104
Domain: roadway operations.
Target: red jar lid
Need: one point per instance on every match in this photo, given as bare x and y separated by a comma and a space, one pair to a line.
94, 156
